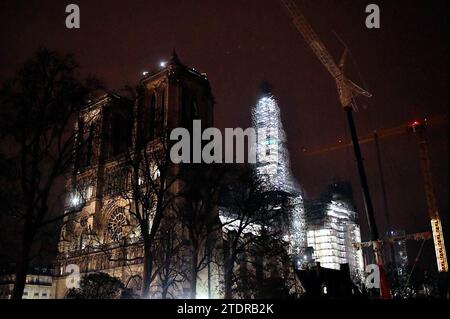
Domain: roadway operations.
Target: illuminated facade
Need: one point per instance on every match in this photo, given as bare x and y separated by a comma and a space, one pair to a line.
99, 233
38, 284
332, 229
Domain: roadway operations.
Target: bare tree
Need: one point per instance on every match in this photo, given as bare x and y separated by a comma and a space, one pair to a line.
98, 286
152, 180
254, 223
198, 214
38, 107
169, 259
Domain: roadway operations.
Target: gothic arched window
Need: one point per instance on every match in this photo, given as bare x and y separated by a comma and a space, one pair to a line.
120, 131
90, 139
194, 109
152, 118
163, 108
185, 118
79, 145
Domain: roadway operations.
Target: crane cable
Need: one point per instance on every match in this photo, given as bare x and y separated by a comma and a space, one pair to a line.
354, 63
414, 266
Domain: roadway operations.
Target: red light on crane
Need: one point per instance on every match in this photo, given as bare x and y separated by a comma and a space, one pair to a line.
416, 124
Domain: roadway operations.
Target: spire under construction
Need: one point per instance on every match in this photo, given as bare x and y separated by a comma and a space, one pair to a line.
273, 167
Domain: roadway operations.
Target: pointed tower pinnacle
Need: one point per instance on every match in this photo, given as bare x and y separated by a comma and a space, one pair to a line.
174, 58
265, 88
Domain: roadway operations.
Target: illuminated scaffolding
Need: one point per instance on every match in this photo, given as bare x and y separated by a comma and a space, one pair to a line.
273, 167
332, 230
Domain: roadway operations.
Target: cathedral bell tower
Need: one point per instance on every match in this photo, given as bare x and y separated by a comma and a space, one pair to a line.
173, 96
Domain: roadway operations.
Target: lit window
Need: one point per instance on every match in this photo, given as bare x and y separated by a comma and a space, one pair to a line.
75, 200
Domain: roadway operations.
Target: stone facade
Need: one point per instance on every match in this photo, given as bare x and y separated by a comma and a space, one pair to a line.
98, 233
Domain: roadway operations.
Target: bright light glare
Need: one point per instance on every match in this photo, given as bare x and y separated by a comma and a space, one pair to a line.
75, 200
162, 64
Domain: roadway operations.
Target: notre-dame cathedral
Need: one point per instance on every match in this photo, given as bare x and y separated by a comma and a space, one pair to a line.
168, 230
98, 233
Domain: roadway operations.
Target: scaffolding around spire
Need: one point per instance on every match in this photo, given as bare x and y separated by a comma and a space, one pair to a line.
273, 167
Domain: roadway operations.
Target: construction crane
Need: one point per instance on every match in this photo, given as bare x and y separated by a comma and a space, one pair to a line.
368, 138
417, 236
418, 128
347, 91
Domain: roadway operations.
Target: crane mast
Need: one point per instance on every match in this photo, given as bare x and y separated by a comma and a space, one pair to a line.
436, 226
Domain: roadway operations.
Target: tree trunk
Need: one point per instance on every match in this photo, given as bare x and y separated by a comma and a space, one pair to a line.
148, 268
23, 263
228, 271
229, 268
165, 290
193, 273
259, 275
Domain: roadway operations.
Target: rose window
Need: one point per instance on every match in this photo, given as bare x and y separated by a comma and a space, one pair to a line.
116, 225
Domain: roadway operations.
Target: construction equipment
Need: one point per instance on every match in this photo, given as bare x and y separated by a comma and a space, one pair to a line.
393, 239
347, 91
418, 128
368, 138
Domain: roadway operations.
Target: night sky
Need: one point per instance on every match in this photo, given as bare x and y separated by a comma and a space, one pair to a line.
240, 43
